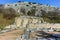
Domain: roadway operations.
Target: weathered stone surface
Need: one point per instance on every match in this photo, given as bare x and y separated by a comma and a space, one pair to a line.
24, 21
18, 22
33, 22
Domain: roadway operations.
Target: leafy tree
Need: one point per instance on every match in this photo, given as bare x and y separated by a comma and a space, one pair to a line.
22, 10
54, 15
44, 14
1, 10
9, 13
28, 13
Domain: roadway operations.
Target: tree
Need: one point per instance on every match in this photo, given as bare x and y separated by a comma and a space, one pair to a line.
1, 9
32, 11
28, 13
53, 15
9, 13
22, 10
33, 2
29, 3
44, 14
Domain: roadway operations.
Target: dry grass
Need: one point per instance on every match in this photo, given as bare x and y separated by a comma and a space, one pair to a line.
4, 21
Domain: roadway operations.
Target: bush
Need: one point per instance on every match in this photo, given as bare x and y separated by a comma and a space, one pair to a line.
9, 13
7, 17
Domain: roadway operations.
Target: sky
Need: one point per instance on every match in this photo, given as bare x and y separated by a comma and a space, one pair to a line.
55, 3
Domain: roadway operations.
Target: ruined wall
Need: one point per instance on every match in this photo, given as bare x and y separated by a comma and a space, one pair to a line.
33, 22
24, 21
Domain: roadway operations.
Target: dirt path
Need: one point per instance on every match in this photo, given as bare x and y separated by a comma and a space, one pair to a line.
11, 35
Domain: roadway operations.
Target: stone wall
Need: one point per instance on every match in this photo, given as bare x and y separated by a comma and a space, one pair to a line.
24, 21
34, 22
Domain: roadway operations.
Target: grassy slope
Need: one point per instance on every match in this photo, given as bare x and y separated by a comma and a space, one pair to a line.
4, 22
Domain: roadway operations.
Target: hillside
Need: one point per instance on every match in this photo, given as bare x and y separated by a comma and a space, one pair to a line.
7, 17
49, 13
8, 12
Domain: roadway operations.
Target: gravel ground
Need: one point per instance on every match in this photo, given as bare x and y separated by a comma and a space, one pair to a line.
12, 35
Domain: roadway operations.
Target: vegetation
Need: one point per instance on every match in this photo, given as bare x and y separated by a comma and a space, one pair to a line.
32, 11
23, 10
7, 17
51, 17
